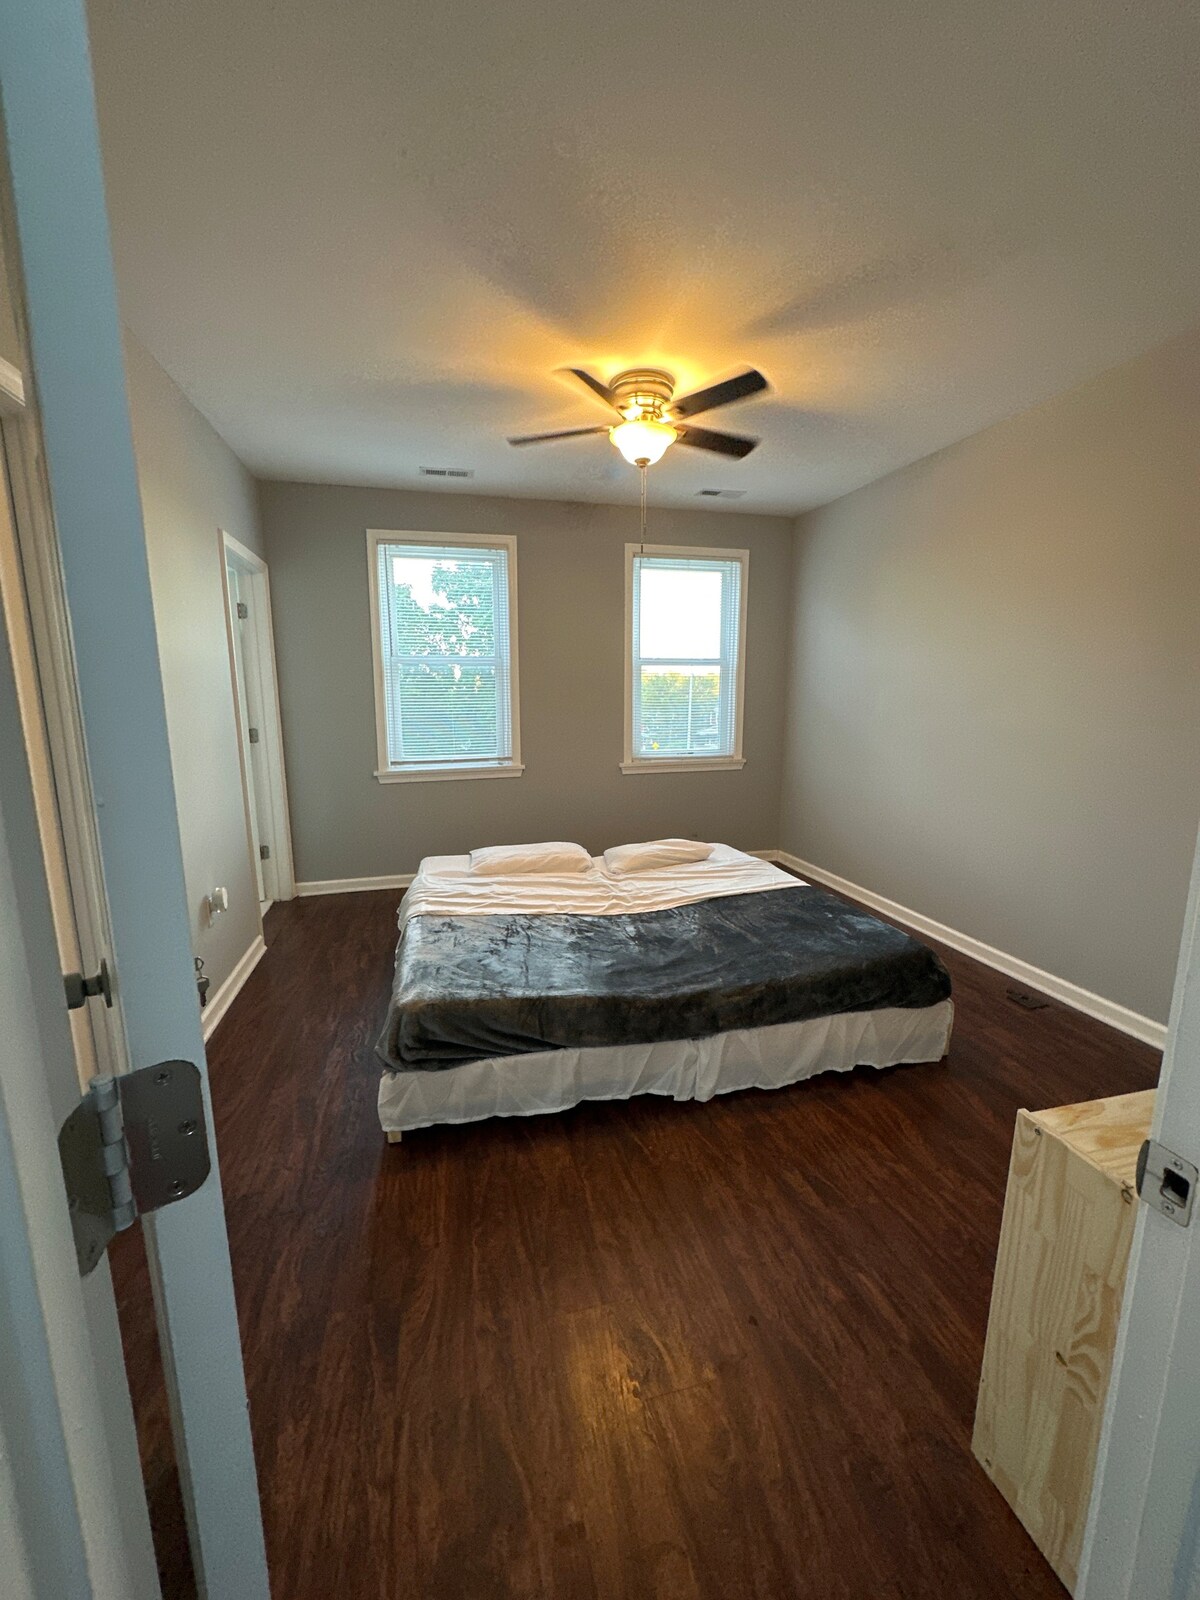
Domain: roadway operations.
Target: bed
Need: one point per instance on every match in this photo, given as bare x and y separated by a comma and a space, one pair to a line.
527, 994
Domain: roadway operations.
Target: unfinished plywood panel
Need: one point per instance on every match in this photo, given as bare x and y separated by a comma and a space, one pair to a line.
1056, 1302
1106, 1133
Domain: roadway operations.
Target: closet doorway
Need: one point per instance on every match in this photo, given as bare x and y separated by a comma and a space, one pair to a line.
260, 733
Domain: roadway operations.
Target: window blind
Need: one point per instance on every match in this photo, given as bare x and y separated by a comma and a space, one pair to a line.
686, 620
445, 641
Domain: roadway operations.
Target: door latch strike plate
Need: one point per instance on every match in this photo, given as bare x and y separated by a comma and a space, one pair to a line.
133, 1144
1166, 1181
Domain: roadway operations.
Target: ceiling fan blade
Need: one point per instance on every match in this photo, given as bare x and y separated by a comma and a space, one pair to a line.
719, 394
545, 438
722, 444
594, 385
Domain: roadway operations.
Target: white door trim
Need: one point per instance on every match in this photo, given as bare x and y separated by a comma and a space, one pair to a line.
12, 388
76, 372
1143, 1534
75, 1461
256, 814
259, 656
49, 628
52, 1325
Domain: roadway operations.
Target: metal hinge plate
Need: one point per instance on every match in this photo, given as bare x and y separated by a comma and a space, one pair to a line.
264, 852
243, 610
133, 1144
1166, 1181
252, 735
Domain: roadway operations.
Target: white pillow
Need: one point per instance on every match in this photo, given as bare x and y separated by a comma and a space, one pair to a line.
624, 858
498, 860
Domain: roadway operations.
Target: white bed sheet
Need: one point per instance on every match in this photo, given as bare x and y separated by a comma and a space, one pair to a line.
689, 1069
445, 887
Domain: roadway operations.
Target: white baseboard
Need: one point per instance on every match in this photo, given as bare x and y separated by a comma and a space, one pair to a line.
1092, 1005
223, 997
399, 880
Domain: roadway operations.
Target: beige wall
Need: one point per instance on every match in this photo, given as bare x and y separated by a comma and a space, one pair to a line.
995, 681
570, 563
192, 485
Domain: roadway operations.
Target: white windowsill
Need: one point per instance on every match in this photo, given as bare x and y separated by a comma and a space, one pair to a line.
442, 774
686, 764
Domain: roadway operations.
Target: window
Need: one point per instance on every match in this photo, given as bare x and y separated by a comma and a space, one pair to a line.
444, 622
685, 619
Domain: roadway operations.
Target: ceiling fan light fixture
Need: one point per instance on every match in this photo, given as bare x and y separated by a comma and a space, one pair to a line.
643, 442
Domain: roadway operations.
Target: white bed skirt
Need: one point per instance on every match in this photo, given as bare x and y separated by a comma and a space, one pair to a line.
687, 1069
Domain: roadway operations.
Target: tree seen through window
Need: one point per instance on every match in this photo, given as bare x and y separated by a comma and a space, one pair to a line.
445, 670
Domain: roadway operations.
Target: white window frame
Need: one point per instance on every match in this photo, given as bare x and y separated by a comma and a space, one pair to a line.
435, 772
727, 763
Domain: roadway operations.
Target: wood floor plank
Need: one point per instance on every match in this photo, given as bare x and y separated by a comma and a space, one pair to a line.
639, 1351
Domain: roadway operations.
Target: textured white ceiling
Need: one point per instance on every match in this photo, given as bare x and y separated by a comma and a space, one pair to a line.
362, 235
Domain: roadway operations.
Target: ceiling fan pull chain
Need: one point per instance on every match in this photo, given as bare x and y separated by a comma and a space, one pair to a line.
642, 470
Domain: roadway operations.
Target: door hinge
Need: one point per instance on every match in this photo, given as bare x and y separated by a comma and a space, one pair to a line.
80, 989
243, 610
1166, 1181
133, 1144
252, 735
264, 852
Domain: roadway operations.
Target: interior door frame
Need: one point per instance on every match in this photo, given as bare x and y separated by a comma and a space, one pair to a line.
47, 690
1143, 1532
258, 654
73, 1517
75, 371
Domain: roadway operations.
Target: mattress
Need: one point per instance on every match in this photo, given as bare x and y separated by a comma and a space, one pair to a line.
519, 969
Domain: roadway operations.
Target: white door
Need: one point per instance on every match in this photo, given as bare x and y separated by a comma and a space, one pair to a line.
1143, 1536
258, 821
260, 733
64, 1413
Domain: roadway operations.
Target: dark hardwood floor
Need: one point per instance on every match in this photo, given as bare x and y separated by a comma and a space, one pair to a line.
638, 1350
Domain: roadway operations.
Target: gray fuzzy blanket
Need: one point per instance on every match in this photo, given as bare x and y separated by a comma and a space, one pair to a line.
468, 988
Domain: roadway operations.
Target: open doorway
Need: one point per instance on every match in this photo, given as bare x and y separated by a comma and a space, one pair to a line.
260, 734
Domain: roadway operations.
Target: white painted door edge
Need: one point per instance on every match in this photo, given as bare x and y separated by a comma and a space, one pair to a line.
73, 1517
77, 373
1143, 1533
1071, 994
12, 388
49, 632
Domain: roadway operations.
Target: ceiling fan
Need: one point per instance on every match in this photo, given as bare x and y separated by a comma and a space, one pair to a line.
653, 420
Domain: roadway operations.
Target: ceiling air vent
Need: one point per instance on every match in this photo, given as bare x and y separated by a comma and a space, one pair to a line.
447, 472
720, 494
